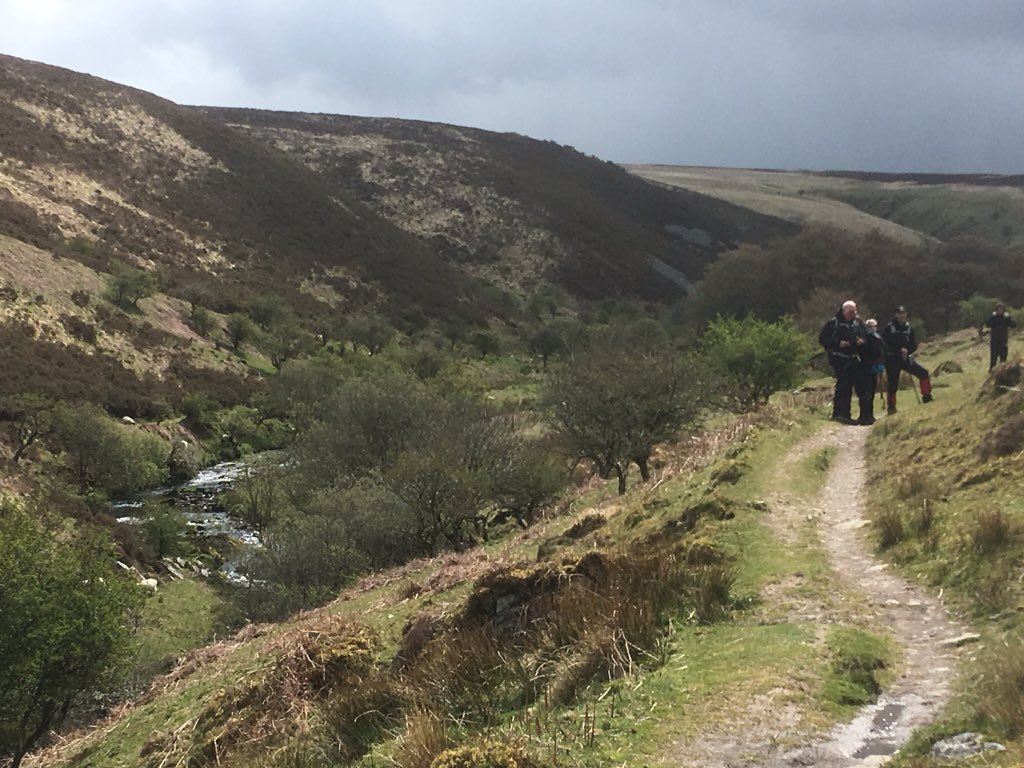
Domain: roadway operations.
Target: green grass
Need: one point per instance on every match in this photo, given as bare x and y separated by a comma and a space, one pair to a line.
962, 517
182, 615
857, 664
696, 678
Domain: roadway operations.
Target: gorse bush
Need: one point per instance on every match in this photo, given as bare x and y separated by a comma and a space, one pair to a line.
491, 753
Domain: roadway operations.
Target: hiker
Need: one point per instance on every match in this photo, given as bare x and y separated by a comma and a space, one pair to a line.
900, 344
999, 323
841, 338
871, 363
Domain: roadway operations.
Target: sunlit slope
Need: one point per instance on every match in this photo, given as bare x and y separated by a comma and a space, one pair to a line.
916, 209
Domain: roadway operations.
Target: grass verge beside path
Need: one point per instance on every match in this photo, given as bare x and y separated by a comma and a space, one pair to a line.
946, 499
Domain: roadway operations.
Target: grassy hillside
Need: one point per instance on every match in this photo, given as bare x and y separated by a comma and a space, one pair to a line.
97, 171
914, 209
948, 509
759, 615
513, 210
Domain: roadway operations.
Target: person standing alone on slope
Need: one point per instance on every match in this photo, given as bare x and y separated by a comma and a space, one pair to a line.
841, 338
900, 344
999, 323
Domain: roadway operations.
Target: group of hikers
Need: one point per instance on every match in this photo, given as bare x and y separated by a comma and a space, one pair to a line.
859, 355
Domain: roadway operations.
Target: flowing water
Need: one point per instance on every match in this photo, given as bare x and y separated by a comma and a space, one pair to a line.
199, 502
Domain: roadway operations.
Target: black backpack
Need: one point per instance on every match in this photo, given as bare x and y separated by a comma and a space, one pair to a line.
827, 336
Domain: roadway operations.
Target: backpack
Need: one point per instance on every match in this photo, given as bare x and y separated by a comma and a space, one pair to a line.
827, 336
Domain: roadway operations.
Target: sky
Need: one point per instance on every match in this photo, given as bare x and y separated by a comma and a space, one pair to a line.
880, 85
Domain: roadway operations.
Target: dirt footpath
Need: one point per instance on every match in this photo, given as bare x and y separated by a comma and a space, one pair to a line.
919, 623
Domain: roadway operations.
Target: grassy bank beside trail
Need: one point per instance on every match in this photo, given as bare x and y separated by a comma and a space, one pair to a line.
708, 665
946, 492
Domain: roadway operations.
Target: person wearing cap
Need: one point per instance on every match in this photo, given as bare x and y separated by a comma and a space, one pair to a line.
871, 363
999, 324
841, 337
900, 344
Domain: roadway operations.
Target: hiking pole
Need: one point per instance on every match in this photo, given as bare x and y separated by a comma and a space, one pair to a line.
913, 382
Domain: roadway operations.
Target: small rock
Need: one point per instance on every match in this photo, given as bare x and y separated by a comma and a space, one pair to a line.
965, 745
957, 642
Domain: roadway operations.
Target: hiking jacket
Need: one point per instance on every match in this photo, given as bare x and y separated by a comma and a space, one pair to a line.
1000, 325
898, 336
872, 351
837, 330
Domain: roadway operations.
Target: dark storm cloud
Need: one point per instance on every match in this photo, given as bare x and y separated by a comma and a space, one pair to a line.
930, 85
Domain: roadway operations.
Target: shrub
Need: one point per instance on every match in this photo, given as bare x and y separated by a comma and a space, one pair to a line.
889, 525
65, 622
992, 531
79, 329
497, 753
915, 484
753, 359
164, 530
109, 457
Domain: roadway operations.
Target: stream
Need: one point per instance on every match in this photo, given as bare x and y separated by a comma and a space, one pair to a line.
199, 503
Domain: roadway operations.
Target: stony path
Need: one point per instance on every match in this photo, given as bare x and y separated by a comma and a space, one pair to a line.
919, 623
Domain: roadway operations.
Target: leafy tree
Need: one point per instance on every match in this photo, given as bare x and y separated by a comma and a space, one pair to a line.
301, 390
269, 311
370, 331
203, 321
366, 426
972, 312
299, 565
109, 457
257, 495
486, 343
523, 484
751, 359
444, 498
30, 417
456, 332
127, 284
612, 405
65, 624
547, 341
286, 341
164, 530
239, 329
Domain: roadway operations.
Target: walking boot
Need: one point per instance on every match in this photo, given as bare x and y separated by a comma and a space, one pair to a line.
926, 390
892, 404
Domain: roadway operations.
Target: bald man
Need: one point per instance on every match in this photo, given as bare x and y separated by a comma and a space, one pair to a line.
841, 338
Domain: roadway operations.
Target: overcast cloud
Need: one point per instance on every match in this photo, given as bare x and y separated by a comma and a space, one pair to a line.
892, 85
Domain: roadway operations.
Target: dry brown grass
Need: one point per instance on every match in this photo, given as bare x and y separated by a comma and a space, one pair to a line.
275, 701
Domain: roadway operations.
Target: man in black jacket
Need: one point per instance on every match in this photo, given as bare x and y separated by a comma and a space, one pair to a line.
999, 323
900, 344
871, 363
840, 337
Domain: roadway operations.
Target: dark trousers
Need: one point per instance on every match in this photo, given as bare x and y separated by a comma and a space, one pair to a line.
998, 352
893, 366
864, 384
844, 369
